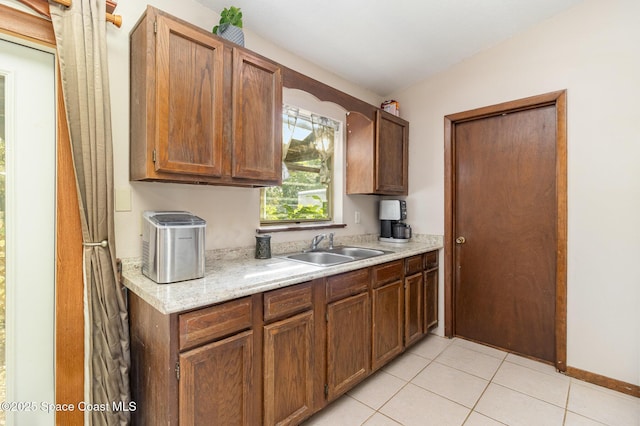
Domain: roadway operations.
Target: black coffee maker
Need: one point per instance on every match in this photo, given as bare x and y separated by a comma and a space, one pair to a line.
392, 229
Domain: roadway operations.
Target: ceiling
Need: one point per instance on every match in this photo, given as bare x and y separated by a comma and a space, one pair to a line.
385, 45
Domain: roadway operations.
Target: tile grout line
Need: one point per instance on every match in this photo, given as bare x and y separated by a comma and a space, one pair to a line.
431, 360
502, 362
534, 397
530, 396
566, 404
582, 414
602, 389
462, 371
377, 410
435, 359
491, 380
515, 390
387, 401
473, 409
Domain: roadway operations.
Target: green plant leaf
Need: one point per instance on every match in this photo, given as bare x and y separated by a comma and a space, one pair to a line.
231, 15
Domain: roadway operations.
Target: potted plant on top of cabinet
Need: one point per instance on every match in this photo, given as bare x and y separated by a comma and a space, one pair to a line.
230, 25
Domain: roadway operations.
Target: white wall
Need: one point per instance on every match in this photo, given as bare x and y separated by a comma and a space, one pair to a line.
593, 51
231, 213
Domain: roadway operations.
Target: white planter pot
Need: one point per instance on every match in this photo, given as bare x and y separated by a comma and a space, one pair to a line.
232, 33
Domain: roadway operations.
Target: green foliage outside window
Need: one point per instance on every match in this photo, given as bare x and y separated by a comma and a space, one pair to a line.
306, 190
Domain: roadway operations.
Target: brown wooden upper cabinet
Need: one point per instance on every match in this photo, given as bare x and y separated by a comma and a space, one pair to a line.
203, 110
377, 154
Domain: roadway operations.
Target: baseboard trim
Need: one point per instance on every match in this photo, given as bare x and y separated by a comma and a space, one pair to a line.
607, 382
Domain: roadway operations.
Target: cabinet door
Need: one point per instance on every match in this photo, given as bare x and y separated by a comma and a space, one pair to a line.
215, 386
288, 370
360, 153
257, 118
387, 330
414, 302
348, 343
431, 299
189, 103
392, 150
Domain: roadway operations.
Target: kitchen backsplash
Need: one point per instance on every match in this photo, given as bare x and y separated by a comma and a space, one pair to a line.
294, 246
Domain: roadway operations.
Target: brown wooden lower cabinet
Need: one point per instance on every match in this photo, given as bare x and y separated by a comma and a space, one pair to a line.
414, 299
431, 299
294, 362
431, 290
387, 313
348, 343
289, 370
387, 318
414, 304
216, 382
275, 358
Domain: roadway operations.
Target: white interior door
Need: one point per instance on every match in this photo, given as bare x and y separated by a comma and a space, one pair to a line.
27, 127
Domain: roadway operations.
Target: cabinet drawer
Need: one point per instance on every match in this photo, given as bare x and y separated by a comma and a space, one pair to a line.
208, 324
431, 260
347, 284
286, 301
413, 264
386, 273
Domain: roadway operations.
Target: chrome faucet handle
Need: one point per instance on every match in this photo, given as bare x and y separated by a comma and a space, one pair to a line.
330, 240
316, 240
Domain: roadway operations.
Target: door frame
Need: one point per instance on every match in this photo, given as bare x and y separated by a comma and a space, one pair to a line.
559, 100
69, 290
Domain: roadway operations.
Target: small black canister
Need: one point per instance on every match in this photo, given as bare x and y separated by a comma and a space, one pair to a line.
263, 246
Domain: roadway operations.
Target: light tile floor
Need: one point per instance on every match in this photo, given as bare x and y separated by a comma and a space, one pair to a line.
456, 382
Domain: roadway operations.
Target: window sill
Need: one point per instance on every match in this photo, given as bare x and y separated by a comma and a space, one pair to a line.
268, 229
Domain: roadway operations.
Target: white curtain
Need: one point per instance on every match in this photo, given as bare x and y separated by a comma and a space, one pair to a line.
81, 44
324, 130
290, 117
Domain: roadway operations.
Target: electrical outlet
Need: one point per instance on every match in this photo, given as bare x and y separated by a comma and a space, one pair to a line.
357, 218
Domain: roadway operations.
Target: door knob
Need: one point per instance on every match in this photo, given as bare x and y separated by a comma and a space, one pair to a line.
460, 240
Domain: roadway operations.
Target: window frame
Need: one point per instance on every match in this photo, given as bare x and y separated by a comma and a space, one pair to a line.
331, 191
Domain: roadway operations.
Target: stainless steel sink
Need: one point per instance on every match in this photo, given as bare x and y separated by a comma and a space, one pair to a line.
357, 252
320, 258
334, 256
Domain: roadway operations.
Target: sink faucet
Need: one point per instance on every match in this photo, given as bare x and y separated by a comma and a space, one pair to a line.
316, 240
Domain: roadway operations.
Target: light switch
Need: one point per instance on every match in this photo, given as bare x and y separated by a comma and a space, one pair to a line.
123, 199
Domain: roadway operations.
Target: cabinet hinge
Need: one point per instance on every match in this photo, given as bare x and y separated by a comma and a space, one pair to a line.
154, 156
155, 27
177, 370
326, 316
326, 389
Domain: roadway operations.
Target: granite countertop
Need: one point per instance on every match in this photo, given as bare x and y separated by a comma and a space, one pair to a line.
230, 274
